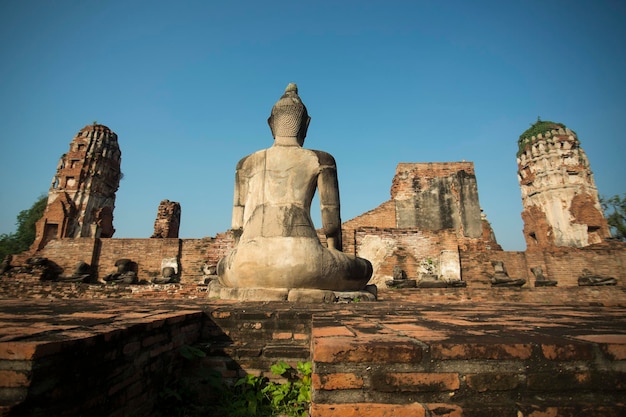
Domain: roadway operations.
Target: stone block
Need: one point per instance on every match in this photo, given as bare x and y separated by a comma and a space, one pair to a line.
415, 381
305, 295
345, 380
354, 296
368, 410
443, 351
573, 351
450, 265
444, 410
559, 381
12, 379
253, 294
381, 350
493, 381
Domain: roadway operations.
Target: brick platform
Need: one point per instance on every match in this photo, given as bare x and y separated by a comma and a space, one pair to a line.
406, 355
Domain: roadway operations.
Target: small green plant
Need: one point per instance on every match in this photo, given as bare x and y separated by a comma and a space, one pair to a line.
537, 128
248, 396
257, 396
293, 397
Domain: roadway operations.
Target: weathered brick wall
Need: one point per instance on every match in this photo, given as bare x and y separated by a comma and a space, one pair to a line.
68, 252
249, 341
117, 373
476, 268
220, 245
147, 253
384, 247
193, 254
564, 265
123, 370
406, 248
424, 171
407, 369
25, 286
567, 265
383, 216
193, 259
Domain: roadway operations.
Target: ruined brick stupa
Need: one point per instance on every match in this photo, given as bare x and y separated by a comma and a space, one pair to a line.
81, 198
559, 196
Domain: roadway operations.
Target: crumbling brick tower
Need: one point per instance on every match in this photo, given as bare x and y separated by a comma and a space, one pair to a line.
559, 196
437, 195
81, 198
167, 222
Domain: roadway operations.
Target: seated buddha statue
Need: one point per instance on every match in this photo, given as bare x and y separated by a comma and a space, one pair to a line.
276, 244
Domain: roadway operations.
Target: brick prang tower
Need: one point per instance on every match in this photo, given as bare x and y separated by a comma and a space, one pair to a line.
559, 196
81, 198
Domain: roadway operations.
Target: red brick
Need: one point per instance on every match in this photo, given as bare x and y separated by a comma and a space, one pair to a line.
492, 382
443, 351
282, 335
444, 410
28, 350
350, 349
559, 381
416, 382
11, 379
336, 381
545, 412
580, 409
331, 331
368, 410
567, 352
615, 352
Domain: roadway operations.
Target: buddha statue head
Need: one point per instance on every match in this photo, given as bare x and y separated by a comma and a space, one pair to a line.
289, 116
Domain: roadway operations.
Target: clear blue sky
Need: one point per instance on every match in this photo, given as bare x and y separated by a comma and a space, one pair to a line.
188, 87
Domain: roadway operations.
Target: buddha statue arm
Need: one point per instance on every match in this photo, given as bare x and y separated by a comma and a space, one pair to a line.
329, 200
239, 202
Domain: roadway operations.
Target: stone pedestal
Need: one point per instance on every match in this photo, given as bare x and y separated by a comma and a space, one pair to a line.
297, 295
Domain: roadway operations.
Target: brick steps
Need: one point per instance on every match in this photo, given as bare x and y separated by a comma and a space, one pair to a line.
400, 356
494, 361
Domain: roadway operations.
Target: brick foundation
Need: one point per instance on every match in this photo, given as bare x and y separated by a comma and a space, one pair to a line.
404, 355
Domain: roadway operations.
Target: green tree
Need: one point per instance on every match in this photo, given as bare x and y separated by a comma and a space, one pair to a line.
615, 213
25, 235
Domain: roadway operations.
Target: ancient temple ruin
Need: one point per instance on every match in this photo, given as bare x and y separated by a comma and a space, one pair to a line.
460, 332
431, 228
435, 196
81, 198
433, 215
559, 195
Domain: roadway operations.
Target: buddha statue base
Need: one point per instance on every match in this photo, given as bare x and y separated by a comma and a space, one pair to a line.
296, 295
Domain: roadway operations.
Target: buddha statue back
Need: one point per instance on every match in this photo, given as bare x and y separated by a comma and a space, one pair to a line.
276, 242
